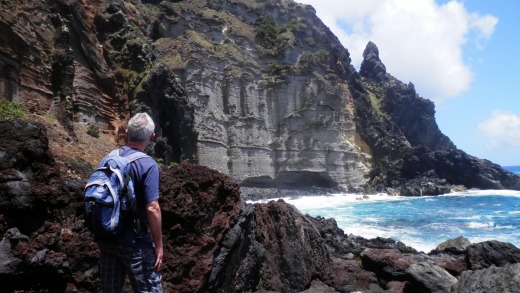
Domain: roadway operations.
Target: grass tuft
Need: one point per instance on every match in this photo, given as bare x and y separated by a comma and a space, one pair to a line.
12, 110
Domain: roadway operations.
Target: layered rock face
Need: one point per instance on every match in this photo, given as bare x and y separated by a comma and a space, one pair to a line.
259, 90
270, 107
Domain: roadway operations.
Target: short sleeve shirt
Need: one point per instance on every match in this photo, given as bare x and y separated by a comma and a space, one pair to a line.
146, 183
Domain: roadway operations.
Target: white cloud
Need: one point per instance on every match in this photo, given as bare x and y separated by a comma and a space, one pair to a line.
502, 129
419, 40
484, 26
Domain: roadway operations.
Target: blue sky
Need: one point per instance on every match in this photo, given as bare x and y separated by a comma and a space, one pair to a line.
464, 55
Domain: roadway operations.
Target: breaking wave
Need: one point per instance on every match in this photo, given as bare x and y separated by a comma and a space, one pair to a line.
422, 222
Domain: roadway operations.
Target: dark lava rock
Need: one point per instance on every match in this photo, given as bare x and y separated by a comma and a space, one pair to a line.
493, 279
485, 254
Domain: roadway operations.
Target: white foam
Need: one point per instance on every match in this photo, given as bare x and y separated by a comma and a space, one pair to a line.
333, 200
485, 192
480, 225
337, 199
340, 207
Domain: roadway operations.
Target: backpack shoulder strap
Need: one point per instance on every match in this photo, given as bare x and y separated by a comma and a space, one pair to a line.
136, 156
102, 164
131, 157
114, 153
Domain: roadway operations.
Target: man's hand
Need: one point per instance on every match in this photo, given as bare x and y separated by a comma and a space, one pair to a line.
159, 255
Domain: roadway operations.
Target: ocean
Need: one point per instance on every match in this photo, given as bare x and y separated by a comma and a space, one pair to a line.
422, 222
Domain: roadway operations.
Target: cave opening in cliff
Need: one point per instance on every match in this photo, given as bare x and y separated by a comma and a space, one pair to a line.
304, 180
179, 140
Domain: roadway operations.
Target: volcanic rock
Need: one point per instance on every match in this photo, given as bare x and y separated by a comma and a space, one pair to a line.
489, 253
455, 246
257, 94
214, 242
431, 278
493, 279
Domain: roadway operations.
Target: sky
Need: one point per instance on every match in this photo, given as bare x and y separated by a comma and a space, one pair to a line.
464, 55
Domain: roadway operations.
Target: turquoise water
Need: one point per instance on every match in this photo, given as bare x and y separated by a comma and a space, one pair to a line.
422, 222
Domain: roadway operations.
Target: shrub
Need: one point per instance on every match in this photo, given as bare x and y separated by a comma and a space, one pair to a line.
269, 32
12, 110
93, 130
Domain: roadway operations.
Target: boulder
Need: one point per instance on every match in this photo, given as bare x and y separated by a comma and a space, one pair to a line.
347, 275
427, 277
30, 183
294, 252
318, 286
455, 265
485, 254
396, 286
8, 261
492, 279
454, 246
199, 208
388, 264
26, 265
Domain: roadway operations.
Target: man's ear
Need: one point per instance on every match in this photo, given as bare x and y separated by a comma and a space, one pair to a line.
152, 136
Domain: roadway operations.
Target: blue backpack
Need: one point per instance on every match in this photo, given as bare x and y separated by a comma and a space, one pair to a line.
110, 201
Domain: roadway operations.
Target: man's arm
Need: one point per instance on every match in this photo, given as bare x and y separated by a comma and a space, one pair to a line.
153, 212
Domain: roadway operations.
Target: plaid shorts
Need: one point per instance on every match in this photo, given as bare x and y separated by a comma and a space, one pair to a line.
117, 261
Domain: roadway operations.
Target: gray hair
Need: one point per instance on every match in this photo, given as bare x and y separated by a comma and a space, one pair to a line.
140, 128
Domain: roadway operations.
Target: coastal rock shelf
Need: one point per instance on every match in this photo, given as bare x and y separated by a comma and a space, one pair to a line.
214, 241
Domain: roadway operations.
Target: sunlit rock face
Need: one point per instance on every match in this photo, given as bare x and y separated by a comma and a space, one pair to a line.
277, 114
259, 90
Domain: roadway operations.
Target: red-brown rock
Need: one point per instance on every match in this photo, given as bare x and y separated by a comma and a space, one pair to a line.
199, 205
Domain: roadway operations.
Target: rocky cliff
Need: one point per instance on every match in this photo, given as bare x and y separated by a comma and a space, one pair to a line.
259, 90
215, 242
265, 95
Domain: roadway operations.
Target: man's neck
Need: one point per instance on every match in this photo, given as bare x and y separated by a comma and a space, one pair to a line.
135, 145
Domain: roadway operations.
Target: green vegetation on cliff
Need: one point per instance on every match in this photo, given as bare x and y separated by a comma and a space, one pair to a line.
375, 93
12, 110
276, 37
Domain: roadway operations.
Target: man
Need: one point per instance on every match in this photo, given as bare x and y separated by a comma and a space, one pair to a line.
137, 254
